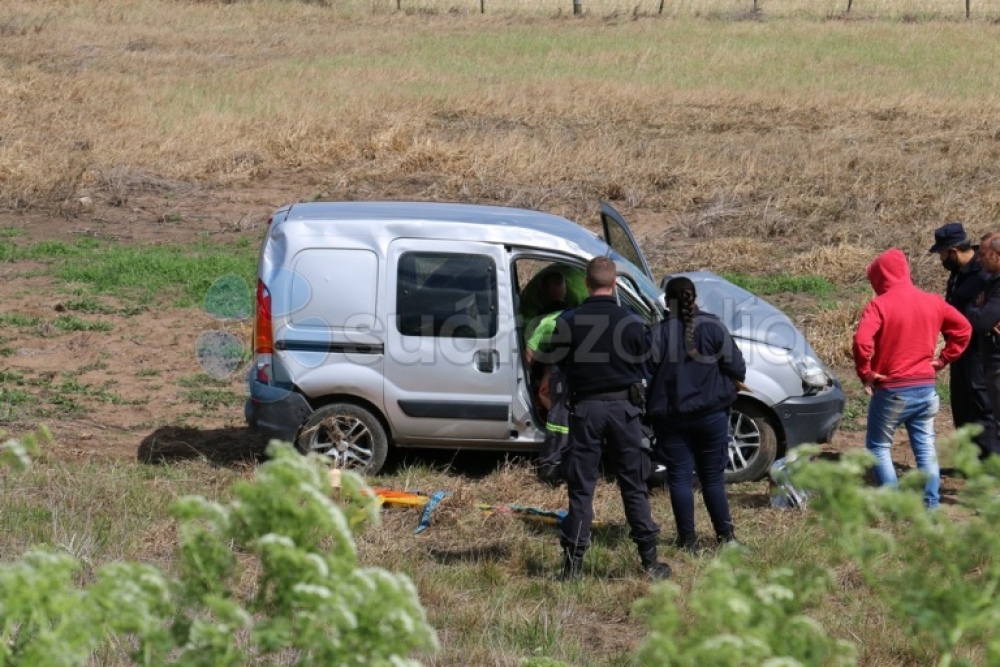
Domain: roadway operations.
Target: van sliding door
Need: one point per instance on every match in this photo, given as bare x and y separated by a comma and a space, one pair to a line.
449, 362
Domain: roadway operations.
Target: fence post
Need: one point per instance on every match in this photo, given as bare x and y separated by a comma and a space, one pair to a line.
399, 5
482, 6
754, 6
849, 6
577, 6
661, 6
966, 8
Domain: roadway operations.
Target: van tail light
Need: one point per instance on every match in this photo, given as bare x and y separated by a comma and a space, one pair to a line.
263, 334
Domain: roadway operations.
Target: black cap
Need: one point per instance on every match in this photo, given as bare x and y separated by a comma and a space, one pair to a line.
949, 236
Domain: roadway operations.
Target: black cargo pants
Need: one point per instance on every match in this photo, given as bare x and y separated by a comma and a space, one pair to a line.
971, 401
616, 422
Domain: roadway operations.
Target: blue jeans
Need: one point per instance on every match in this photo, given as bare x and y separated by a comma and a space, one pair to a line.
696, 445
913, 407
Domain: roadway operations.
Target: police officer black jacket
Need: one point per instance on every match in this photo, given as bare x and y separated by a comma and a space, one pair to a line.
687, 385
610, 350
984, 318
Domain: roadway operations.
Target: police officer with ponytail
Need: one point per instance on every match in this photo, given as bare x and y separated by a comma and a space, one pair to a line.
693, 370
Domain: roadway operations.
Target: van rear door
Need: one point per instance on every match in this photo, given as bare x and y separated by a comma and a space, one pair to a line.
449, 360
618, 235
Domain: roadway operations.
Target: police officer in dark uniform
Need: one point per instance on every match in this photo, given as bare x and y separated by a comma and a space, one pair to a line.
970, 400
601, 348
984, 316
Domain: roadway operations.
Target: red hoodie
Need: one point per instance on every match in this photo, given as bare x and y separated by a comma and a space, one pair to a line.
898, 331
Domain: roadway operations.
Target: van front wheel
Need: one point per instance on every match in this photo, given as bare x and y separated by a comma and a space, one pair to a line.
752, 443
349, 435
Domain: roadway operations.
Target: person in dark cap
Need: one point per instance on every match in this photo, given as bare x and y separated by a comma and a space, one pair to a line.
970, 399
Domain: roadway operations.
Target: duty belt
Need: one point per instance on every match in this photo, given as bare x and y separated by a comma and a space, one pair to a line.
619, 395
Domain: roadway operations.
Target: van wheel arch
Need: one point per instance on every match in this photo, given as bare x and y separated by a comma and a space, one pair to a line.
759, 430
369, 439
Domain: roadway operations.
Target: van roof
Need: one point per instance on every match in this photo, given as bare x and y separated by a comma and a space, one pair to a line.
503, 224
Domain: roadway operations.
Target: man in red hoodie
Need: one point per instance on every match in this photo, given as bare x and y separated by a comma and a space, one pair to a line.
894, 348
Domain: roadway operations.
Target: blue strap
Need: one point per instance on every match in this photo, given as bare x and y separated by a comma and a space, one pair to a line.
425, 517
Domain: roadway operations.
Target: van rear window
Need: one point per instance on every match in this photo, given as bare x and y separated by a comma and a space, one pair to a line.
446, 295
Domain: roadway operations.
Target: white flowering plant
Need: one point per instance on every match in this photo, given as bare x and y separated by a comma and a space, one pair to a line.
271, 573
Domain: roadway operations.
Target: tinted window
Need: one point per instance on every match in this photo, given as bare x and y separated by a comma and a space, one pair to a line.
619, 240
446, 295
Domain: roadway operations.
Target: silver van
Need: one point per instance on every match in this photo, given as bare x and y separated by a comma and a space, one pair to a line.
395, 324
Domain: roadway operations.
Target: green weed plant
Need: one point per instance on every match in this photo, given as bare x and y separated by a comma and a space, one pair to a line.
935, 571
311, 603
934, 574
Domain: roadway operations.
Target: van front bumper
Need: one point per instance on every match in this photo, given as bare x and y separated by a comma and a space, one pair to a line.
275, 412
811, 419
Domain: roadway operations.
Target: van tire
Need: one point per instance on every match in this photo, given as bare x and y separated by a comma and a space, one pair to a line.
347, 434
753, 445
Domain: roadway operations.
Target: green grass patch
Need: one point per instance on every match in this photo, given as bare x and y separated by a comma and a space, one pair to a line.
208, 392
182, 274
90, 305
212, 399
8, 252
11, 402
11, 377
855, 405
943, 387
782, 283
102, 511
71, 323
143, 275
8, 320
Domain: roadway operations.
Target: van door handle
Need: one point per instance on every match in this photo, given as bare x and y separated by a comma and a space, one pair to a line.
487, 361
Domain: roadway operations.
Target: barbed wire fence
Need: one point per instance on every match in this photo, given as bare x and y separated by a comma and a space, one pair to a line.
906, 9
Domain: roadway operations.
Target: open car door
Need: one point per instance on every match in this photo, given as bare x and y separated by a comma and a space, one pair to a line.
618, 235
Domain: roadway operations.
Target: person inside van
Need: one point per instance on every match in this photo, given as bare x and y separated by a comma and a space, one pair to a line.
532, 301
537, 337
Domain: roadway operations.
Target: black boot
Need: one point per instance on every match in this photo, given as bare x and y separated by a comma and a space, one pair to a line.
687, 542
572, 565
728, 539
654, 568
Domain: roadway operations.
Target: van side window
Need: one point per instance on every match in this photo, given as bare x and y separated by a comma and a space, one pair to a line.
446, 295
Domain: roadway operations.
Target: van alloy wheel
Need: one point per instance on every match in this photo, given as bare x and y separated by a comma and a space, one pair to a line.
752, 444
350, 436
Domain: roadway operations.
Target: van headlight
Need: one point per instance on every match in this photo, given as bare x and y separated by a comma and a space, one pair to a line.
809, 368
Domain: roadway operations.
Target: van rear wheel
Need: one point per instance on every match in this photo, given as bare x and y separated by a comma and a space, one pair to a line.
752, 444
349, 435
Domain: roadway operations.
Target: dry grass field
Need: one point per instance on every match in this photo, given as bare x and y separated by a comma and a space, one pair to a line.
794, 145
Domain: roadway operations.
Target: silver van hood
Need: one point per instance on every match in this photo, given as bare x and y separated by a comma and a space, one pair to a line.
745, 314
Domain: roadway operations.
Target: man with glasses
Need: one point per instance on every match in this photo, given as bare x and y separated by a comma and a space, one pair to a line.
970, 400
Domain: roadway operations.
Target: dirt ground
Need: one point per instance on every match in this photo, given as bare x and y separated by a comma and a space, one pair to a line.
143, 356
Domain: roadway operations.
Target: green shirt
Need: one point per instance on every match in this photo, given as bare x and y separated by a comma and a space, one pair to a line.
543, 332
